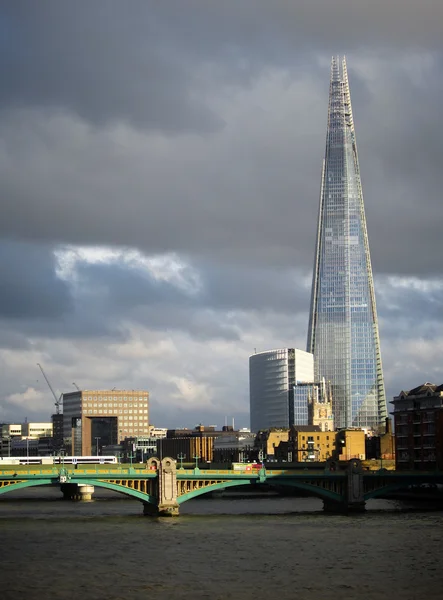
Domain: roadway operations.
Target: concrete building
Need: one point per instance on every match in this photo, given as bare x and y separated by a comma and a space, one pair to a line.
418, 418
96, 418
272, 377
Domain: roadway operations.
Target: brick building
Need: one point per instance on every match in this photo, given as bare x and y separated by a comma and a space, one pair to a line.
418, 417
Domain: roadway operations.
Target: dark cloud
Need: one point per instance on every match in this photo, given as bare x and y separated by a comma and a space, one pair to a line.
30, 286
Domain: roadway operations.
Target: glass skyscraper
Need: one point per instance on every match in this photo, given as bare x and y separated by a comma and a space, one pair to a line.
343, 327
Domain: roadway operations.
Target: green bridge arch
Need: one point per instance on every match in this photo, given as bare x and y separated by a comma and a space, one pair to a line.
115, 488
20, 485
94, 482
211, 488
319, 492
386, 489
315, 490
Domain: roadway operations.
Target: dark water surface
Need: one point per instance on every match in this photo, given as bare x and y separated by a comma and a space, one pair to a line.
218, 548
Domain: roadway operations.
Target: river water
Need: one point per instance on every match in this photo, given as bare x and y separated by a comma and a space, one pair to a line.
228, 548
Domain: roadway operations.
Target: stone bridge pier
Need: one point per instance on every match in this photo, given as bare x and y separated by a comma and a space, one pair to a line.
77, 492
353, 500
166, 492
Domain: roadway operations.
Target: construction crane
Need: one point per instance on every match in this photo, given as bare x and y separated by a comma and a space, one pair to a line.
76, 386
58, 401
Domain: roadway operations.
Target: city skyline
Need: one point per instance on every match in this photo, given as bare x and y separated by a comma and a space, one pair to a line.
160, 173
343, 331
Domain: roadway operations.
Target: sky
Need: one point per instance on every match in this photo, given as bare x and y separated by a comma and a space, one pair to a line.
160, 172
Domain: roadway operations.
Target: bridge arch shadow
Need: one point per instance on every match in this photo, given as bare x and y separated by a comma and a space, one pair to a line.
313, 490
386, 489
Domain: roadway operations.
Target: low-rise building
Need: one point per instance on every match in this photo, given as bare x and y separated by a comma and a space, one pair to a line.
189, 445
418, 418
234, 446
268, 440
350, 443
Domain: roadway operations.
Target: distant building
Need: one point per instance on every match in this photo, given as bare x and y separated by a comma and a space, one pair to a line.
57, 430
96, 418
272, 377
350, 443
30, 430
157, 432
9, 430
381, 447
36, 430
308, 443
190, 445
234, 446
312, 405
268, 440
418, 417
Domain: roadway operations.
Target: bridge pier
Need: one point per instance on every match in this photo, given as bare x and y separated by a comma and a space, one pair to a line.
167, 505
77, 492
353, 500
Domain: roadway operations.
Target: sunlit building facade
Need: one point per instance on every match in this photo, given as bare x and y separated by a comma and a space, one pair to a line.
272, 377
343, 329
96, 418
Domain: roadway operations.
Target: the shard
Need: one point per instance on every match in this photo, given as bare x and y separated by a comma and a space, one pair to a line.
343, 326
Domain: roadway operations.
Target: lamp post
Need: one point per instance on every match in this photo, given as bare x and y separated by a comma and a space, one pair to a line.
96, 443
27, 451
196, 457
181, 458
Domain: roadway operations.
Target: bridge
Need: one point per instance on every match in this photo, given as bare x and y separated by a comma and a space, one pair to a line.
162, 488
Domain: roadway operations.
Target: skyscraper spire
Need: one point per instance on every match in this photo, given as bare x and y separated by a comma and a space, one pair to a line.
343, 325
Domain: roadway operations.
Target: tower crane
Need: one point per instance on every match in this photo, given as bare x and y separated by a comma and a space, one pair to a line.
58, 401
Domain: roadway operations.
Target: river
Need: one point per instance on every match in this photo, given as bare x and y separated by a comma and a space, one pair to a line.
227, 548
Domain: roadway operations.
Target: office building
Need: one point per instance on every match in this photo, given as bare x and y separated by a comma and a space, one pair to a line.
96, 418
418, 418
272, 377
343, 328
26, 430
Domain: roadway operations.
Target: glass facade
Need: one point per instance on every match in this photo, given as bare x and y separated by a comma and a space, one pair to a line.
272, 376
343, 328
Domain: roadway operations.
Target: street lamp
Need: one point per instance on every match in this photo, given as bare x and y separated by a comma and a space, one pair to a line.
196, 457
181, 458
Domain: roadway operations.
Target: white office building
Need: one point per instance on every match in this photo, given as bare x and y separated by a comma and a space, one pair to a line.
272, 377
